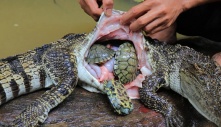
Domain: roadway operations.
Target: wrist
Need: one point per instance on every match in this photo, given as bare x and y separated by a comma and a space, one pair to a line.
187, 4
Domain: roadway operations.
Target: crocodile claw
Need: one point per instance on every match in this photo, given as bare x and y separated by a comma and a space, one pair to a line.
33, 115
173, 118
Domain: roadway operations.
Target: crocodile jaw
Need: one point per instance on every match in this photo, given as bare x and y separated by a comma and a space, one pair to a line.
109, 28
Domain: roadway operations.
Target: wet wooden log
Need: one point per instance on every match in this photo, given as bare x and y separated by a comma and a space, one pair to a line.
83, 108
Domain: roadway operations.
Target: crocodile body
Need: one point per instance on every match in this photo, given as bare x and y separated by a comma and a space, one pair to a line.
25, 73
60, 64
187, 72
52, 65
37, 69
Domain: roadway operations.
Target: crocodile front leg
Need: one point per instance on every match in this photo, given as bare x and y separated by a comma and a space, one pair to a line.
60, 65
157, 102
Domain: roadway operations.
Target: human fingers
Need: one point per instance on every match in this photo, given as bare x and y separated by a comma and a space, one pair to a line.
134, 13
155, 26
159, 25
167, 35
144, 20
91, 8
217, 58
107, 7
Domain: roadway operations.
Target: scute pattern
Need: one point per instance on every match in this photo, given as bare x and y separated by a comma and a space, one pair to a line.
99, 54
187, 72
118, 97
125, 64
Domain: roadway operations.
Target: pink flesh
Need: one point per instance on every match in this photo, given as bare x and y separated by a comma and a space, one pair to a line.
105, 74
131, 88
133, 92
110, 28
137, 82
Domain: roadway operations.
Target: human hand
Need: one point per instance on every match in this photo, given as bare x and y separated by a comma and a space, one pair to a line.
167, 35
217, 58
153, 15
92, 8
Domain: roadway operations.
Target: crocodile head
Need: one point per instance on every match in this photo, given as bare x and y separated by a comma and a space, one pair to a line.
109, 28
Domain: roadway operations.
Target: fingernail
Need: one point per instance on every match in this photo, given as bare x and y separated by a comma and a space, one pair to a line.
108, 12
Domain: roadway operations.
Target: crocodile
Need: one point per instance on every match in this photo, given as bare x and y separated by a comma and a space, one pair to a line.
58, 66
62, 63
187, 72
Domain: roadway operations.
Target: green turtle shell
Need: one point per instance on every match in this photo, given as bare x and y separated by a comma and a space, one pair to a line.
99, 54
126, 62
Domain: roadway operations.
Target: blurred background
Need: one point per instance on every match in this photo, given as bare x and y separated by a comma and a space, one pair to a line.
26, 24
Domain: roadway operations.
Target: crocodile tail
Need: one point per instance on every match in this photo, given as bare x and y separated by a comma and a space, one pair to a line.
21, 74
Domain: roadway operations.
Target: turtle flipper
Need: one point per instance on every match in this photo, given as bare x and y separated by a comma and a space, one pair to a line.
157, 102
118, 97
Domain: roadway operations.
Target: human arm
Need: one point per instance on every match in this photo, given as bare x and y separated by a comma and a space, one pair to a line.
156, 15
92, 8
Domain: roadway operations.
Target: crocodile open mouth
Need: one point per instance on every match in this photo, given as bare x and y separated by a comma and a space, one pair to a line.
109, 28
